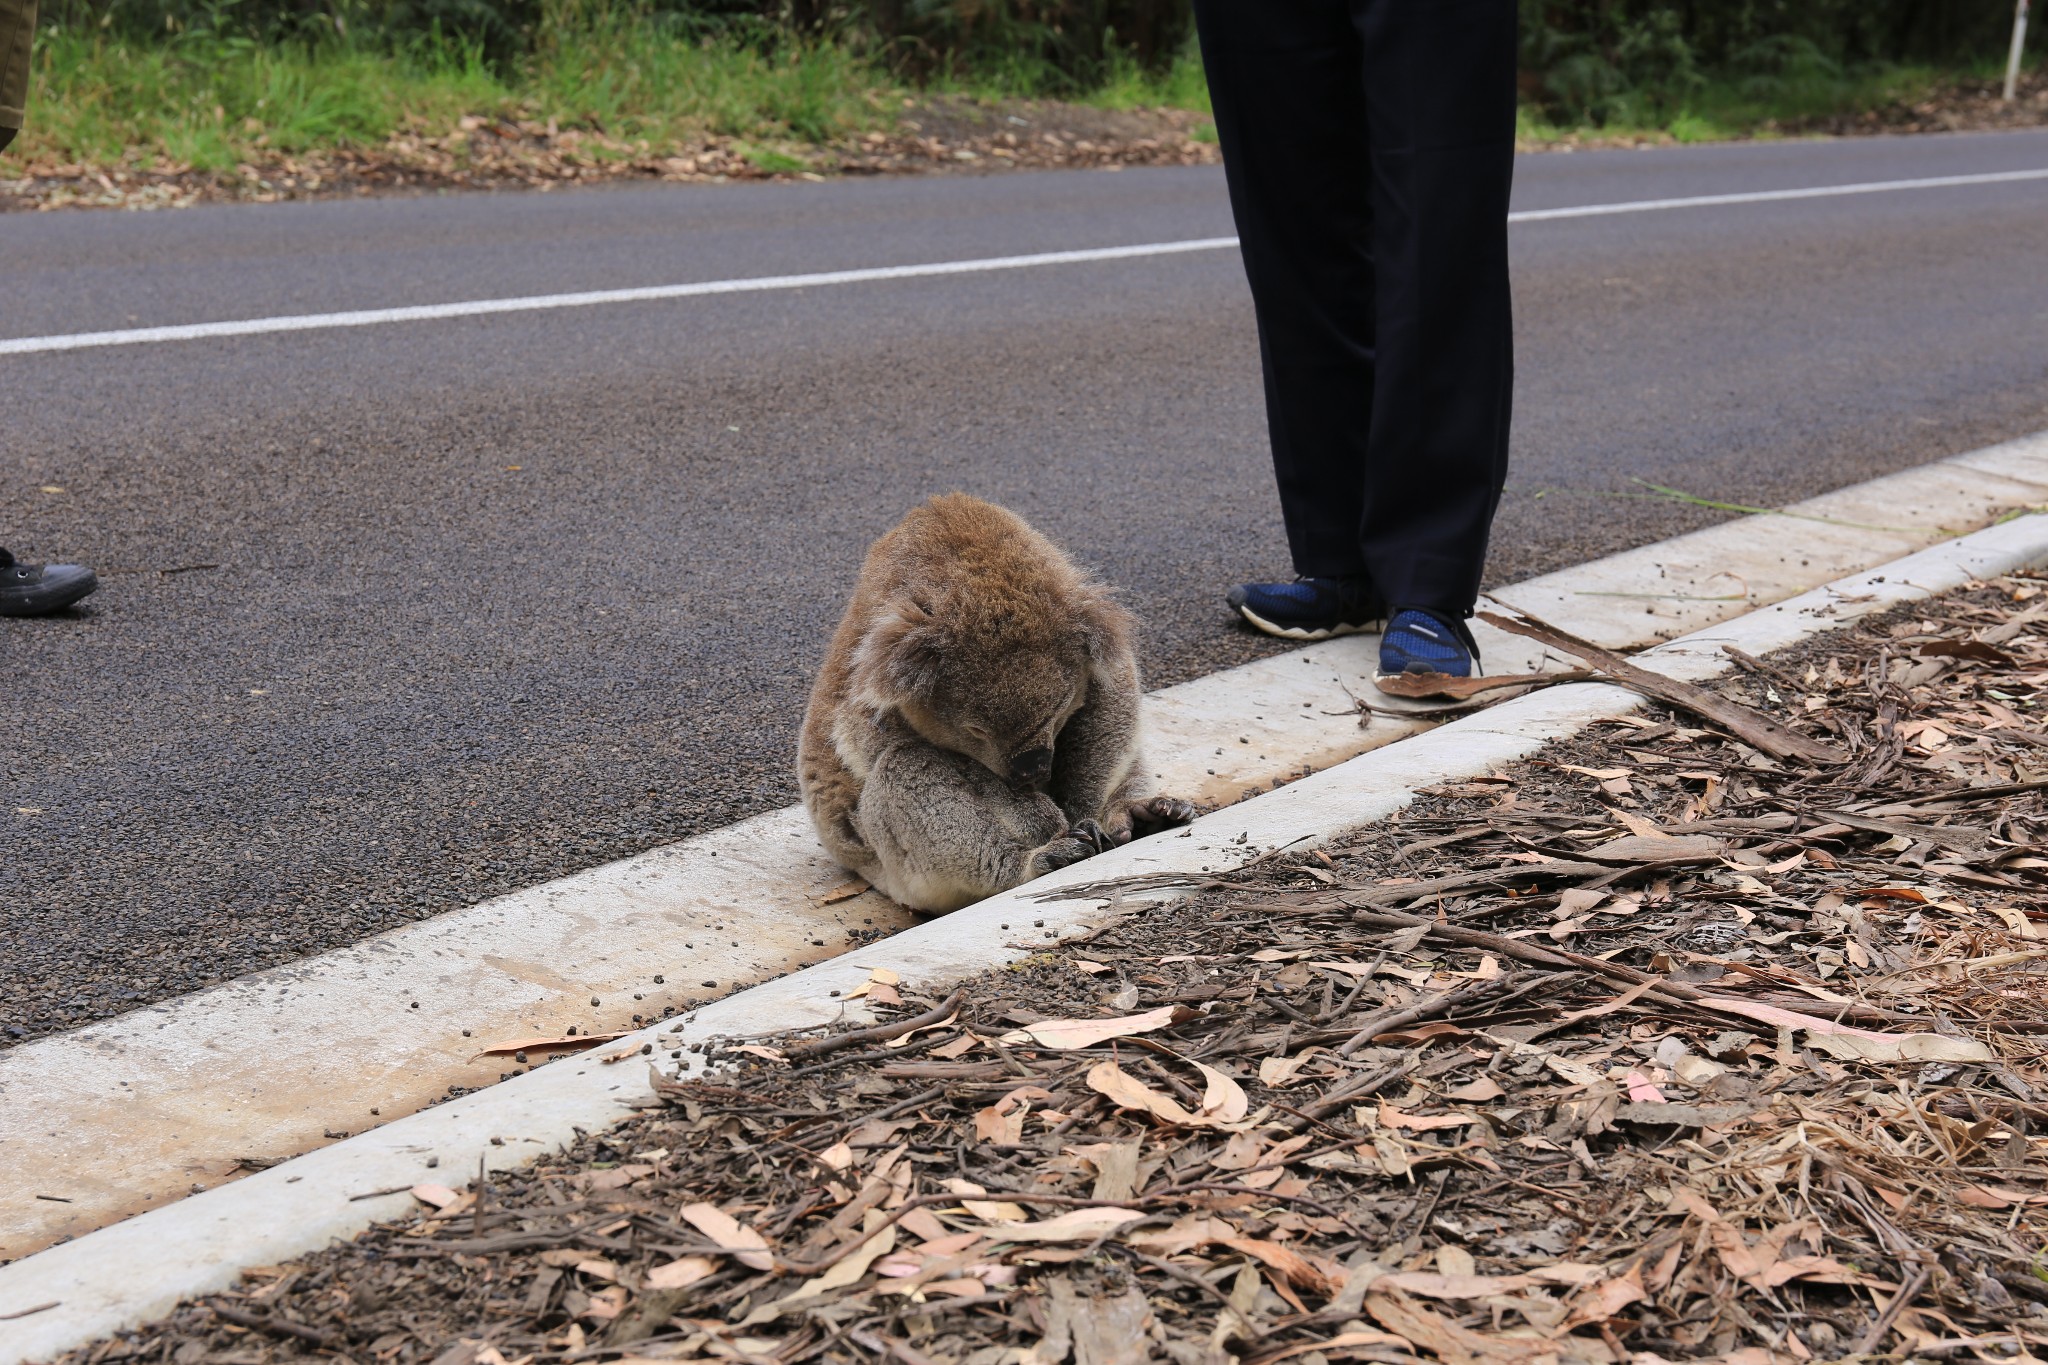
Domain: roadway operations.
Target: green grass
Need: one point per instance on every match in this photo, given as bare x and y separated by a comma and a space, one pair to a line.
210, 103
1797, 91
1017, 73
1128, 85
630, 78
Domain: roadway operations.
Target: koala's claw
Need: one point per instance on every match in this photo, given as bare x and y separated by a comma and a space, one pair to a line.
1064, 851
1093, 834
1083, 841
1160, 812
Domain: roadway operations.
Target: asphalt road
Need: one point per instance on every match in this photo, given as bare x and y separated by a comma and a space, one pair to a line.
398, 618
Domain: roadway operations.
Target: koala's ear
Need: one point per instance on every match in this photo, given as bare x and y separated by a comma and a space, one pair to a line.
899, 656
1105, 626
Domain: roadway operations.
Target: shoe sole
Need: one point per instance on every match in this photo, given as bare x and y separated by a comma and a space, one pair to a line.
1308, 633
57, 601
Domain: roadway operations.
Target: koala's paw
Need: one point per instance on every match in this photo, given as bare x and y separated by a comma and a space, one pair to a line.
1094, 834
1155, 813
1084, 840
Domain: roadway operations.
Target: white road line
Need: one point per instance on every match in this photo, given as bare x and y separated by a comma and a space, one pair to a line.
1770, 196
369, 317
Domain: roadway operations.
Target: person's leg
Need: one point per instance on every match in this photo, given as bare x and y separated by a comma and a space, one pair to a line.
28, 589
1285, 78
1439, 79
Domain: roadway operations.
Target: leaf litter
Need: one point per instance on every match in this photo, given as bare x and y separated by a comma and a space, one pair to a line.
1654, 1047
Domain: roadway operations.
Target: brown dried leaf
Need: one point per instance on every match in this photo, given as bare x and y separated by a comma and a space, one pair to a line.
1223, 1099
1187, 1233
1128, 1092
1001, 1123
1344, 1343
566, 1043
749, 1246
1076, 1225
987, 1210
1476, 1091
1319, 1275
1223, 1102
1453, 1344
1276, 1072
1116, 1168
1841, 1041
1390, 1117
1239, 1154
681, 1273
1661, 848
1965, 649
848, 1269
1065, 1034
1102, 1331
1601, 1300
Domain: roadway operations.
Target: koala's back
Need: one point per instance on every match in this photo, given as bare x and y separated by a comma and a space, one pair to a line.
978, 567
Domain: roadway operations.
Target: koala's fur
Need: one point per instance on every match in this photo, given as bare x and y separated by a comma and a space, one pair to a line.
975, 723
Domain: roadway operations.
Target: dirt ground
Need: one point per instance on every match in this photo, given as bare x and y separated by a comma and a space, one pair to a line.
1659, 1046
938, 136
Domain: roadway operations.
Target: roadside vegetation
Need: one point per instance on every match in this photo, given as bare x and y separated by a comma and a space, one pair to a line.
210, 100
1787, 88
208, 85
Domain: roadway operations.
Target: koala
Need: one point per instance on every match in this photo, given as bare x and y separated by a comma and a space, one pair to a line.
975, 723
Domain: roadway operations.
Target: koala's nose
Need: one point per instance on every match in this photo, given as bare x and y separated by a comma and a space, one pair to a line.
1031, 767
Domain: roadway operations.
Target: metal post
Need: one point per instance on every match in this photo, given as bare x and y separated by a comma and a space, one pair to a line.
2019, 41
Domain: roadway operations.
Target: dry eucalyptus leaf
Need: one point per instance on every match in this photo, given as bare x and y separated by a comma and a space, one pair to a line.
1079, 1033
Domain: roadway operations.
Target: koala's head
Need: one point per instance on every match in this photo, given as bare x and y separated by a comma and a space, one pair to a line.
996, 683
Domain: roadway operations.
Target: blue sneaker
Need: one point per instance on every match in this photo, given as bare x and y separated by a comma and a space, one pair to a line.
1423, 641
1309, 608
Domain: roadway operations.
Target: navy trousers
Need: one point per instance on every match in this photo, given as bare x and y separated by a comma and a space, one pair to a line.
1369, 146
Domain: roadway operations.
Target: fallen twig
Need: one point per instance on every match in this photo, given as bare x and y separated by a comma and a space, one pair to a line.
1425, 686
1879, 1329
1747, 724
1671, 992
277, 1327
937, 1014
1387, 1020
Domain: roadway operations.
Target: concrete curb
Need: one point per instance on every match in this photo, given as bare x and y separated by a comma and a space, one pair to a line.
139, 1269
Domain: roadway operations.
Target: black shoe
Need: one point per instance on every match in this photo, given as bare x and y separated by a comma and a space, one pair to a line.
39, 589
1309, 608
